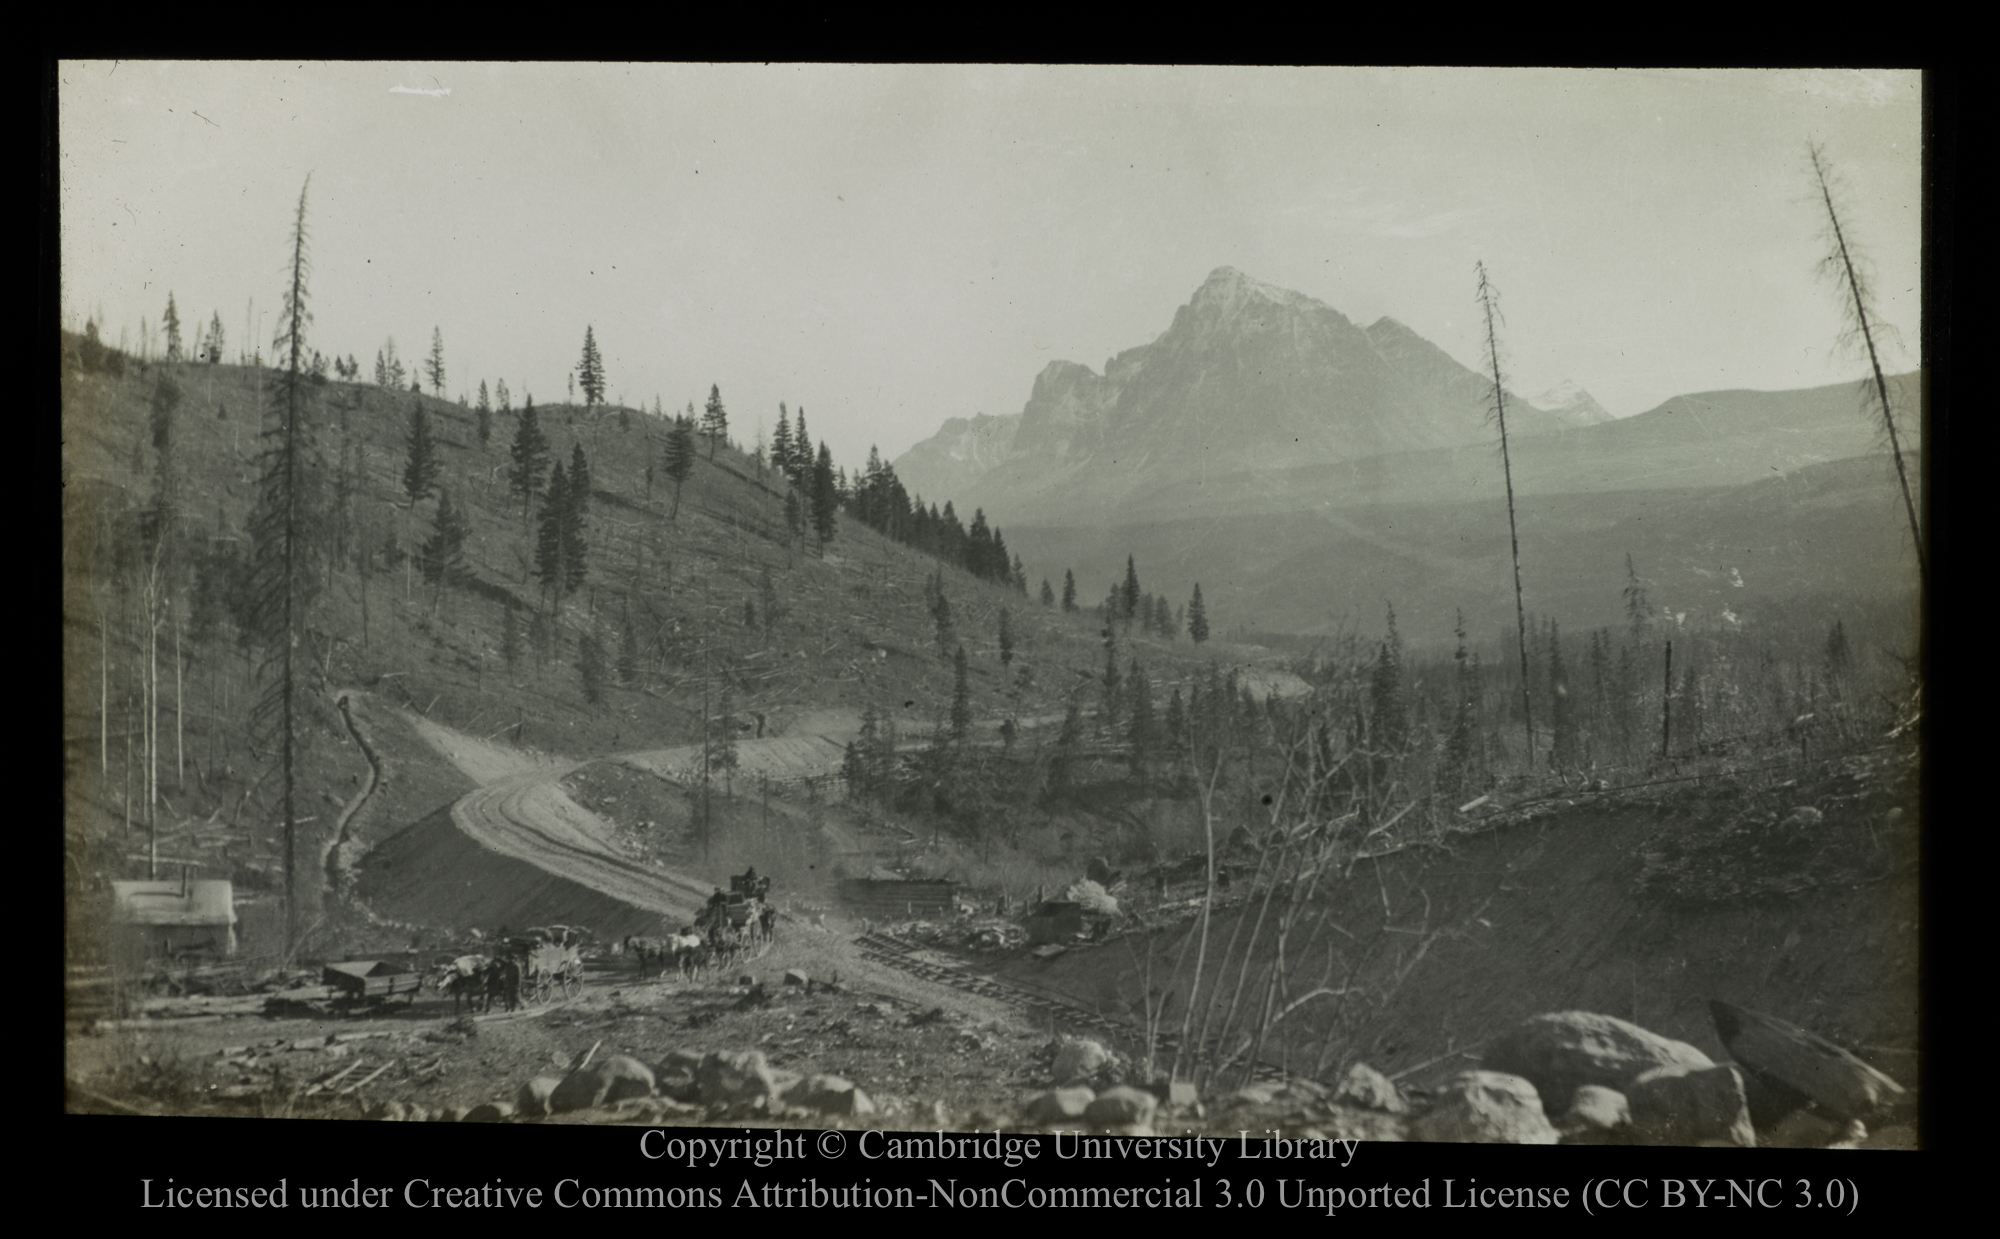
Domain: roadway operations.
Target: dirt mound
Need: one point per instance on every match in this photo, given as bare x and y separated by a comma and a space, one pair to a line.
435, 874
1438, 949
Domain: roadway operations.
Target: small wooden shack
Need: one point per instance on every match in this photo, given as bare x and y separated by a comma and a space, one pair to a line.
899, 899
162, 920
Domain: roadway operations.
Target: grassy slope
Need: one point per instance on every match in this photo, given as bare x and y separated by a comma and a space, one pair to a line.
853, 631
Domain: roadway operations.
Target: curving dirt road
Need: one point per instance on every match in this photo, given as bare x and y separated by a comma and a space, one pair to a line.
522, 812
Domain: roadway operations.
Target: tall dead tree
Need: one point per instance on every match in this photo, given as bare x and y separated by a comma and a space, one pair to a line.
1488, 296
285, 580
1861, 327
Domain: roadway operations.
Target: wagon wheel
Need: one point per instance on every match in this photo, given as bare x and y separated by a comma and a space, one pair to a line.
572, 981
545, 985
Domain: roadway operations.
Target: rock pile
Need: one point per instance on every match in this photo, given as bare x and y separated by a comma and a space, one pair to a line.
1569, 1077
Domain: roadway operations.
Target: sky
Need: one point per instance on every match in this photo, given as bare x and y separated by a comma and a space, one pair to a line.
889, 246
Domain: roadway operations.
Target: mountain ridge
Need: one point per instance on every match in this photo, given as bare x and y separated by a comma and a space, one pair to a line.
1247, 376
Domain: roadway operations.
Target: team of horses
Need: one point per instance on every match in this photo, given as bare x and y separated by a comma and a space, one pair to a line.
715, 940
477, 982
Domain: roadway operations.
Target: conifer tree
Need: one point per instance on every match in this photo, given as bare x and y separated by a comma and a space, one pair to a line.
530, 456
1128, 598
714, 420
1389, 719
1069, 592
554, 548
421, 466
285, 578
485, 412
825, 497
590, 666
941, 618
802, 454
434, 364
502, 397
172, 324
1048, 594
679, 460
573, 532
1197, 617
781, 444
443, 553
213, 351
590, 371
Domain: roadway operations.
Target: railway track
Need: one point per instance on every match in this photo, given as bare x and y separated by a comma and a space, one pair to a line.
895, 953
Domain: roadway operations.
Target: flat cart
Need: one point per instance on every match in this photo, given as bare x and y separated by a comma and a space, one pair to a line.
370, 982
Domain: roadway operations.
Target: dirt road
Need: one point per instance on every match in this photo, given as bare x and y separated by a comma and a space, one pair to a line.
522, 813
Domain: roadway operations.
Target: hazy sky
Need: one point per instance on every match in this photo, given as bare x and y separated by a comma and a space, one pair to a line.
890, 246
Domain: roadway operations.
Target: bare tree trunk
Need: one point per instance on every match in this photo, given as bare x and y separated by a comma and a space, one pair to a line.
103, 696
1486, 296
1667, 703
180, 733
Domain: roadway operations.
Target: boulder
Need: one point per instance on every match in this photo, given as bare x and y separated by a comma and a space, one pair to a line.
1793, 1064
534, 1095
1369, 1089
613, 1080
1180, 1096
734, 1076
1122, 1108
1691, 1105
1060, 1105
674, 1075
1561, 1052
491, 1112
1596, 1115
1079, 1059
797, 976
831, 1095
1485, 1107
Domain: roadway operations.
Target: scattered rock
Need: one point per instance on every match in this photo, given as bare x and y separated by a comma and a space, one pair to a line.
1561, 1052
1122, 1109
1485, 1107
1179, 1096
534, 1095
1250, 1096
832, 1095
725, 1077
615, 1079
1691, 1105
1596, 1115
1078, 1059
1801, 1130
1790, 1060
490, 1112
797, 976
1369, 1089
1059, 1105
